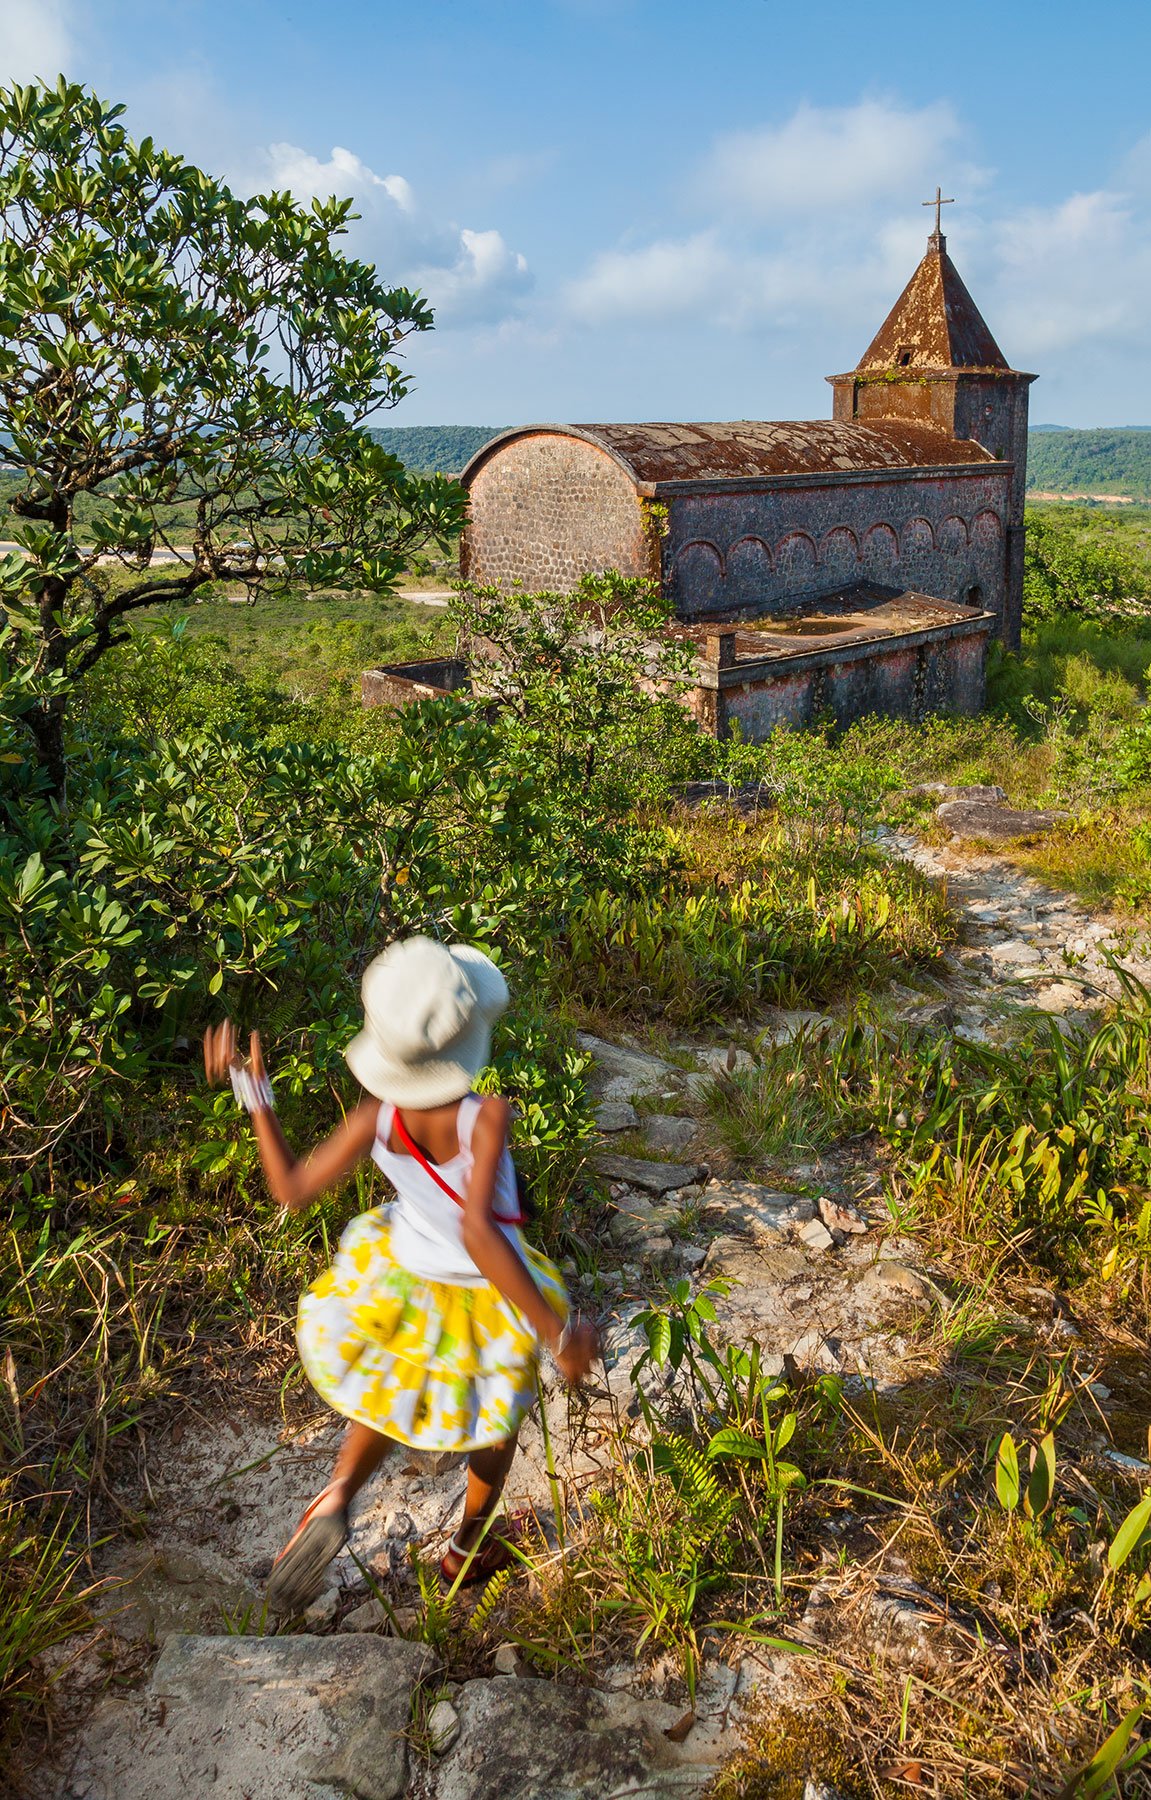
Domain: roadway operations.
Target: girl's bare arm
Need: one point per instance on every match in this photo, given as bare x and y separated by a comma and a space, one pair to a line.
294, 1181
494, 1256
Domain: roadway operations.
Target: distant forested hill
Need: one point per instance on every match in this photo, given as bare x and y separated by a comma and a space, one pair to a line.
1090, 462
434, 449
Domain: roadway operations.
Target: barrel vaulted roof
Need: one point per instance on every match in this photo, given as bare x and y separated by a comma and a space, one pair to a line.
745, 449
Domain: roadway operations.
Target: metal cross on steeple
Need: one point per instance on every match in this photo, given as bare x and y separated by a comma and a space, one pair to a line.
938, 203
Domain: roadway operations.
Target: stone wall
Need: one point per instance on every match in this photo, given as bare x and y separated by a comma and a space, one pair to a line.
546, 510
769, 549
399, 684
899, 679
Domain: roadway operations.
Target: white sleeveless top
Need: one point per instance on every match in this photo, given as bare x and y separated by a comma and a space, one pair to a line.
427, 1225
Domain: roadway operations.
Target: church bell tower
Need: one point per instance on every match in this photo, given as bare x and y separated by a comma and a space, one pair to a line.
934, 363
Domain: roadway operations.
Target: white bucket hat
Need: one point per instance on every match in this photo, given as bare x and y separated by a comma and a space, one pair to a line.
428, 1017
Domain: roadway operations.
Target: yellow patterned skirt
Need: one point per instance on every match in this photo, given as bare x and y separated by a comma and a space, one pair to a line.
429, 1363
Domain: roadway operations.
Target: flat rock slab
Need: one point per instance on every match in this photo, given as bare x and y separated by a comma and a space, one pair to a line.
651, 1177
1016, 951
720, 1059
987, 819
1061, 997
741, 1206
664, 1131
886, 1286
521, 1739
286, 1718
788, 1023
620, 1073
616, 1115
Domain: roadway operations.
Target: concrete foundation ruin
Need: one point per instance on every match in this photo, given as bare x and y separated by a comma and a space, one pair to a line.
864, 650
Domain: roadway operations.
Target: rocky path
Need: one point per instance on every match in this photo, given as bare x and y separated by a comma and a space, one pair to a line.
1024, 944
354, 1703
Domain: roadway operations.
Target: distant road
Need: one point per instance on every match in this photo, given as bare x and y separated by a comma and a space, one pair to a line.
182, 553
1108, 499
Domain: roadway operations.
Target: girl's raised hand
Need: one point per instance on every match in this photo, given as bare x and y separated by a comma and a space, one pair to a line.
221, 1053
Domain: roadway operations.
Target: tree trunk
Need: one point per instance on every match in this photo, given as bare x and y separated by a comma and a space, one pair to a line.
46, 723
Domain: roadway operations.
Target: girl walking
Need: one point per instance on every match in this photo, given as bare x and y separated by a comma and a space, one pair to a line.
426, 1329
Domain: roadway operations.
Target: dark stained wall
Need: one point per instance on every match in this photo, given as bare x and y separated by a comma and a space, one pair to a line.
987, 407
767, 549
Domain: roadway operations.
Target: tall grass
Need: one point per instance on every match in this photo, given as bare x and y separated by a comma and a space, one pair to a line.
768, 920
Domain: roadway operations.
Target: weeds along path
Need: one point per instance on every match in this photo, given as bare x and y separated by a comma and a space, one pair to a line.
744, 1211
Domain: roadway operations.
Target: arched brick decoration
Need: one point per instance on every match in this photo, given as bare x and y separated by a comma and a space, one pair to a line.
918, 538
986, 528
795, 561
699, 585
953, 537
748, 571
839, 554
546, 510
881, 551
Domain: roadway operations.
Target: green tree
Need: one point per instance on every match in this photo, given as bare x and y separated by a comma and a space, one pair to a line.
1069, 572
162, 340
590, 680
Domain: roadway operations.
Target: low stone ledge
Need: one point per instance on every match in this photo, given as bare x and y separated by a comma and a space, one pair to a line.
988, 819
270, 1716
650, 1177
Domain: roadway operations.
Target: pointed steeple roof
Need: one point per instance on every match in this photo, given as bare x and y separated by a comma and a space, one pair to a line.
935, 324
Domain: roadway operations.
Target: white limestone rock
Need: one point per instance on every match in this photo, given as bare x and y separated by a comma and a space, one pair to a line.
287, 1718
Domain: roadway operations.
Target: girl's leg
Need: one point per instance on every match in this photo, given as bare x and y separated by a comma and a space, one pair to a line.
298, 1572
487, 1472
361, 1453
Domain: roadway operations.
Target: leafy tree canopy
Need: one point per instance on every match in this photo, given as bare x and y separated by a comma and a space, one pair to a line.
163, 340
1072, 571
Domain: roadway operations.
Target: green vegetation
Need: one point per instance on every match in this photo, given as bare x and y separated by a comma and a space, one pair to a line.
1090, 462
165, 343
236, 830
227, 841
304, 645
434, 449
1088, 563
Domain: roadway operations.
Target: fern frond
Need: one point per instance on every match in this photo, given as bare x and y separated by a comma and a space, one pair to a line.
490, 1598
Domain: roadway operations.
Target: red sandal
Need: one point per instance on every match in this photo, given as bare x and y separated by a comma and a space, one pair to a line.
466, 1568
298, 1572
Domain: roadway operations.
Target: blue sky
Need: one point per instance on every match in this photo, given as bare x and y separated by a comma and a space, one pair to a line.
625, 209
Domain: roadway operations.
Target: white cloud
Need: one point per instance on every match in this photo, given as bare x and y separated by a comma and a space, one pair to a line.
1072, 273
811, 228
35, 39
743, 283
798, 221
1135, 169
670, 279
469, 276
828, 157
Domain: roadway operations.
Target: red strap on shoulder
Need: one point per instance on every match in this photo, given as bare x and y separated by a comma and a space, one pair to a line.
414, 1150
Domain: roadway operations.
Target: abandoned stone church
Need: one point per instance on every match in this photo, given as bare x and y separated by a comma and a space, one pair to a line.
852, 565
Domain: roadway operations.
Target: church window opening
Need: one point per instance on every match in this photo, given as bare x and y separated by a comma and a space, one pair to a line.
975, 597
